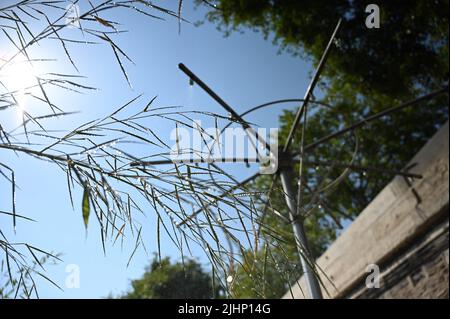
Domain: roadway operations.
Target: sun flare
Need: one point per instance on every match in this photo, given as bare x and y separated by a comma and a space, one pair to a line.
18, 80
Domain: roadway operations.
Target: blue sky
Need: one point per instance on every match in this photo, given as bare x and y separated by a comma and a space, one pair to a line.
244, 69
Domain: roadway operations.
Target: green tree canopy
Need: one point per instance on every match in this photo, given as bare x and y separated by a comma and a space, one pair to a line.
413, 37
167, 280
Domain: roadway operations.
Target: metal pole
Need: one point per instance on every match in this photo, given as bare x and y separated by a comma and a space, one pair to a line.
300, 238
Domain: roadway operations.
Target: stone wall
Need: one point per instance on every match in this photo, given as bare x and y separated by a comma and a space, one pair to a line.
419, 272
404, 231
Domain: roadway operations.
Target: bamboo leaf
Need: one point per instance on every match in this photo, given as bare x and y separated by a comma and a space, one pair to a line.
104, 22
86, 208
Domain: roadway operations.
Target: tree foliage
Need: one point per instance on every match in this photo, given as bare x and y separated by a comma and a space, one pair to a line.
413, 37
167, 280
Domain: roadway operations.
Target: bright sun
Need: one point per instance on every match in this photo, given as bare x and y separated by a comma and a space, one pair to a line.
18, 80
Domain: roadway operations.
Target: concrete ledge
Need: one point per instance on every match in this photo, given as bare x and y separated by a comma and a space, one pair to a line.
402, 211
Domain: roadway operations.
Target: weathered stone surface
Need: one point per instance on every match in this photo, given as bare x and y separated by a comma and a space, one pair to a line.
396, 219
419, 270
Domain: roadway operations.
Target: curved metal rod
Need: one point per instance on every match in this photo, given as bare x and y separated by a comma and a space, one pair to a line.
256, 108
346, 171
